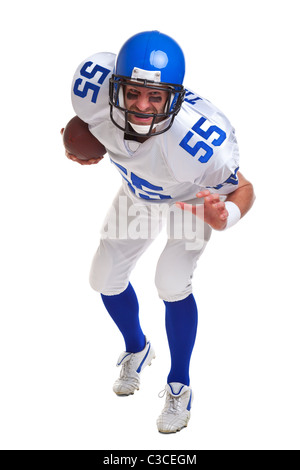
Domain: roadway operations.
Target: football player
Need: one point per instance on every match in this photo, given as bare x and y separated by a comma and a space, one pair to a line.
173, 149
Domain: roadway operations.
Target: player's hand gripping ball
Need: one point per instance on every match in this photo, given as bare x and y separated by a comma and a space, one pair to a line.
80, 145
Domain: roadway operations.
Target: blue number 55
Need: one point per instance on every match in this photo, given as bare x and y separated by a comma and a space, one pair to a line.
221, 136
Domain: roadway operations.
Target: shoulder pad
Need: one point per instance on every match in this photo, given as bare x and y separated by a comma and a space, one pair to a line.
90, 87
196, 104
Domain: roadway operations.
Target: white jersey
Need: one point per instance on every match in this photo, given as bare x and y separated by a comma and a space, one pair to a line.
199, 152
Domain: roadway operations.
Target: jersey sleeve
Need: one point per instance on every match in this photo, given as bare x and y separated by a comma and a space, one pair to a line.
221, 175
90, 87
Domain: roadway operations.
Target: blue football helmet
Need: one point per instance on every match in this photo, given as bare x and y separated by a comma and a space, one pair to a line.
155, 61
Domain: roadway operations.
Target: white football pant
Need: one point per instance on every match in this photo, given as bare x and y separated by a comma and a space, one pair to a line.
129, 228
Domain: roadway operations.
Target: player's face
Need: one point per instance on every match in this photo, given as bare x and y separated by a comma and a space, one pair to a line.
144, 100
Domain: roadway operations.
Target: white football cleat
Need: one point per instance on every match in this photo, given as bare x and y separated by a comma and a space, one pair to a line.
176, 413
132, 365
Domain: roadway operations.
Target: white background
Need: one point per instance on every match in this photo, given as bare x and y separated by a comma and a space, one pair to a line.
58, 344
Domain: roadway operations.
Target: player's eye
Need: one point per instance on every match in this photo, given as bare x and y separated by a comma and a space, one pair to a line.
155, 98
132, 95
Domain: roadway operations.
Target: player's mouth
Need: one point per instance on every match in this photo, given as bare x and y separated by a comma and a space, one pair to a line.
137, 119
140, 120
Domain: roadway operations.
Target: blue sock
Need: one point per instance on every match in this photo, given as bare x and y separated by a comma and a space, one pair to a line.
181, 326
124, 310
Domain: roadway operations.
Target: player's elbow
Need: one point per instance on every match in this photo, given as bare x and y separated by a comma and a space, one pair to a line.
246, 193
251, 194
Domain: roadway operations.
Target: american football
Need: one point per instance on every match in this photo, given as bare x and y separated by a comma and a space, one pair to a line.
79, 141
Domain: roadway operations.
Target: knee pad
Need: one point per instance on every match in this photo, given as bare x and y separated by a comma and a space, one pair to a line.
105, 274
174, 271
173, 282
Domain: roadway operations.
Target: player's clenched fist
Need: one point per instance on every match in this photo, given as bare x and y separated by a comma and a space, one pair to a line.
215, 213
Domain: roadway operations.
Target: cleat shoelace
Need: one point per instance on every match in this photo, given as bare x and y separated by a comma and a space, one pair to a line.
173, 404
127, 372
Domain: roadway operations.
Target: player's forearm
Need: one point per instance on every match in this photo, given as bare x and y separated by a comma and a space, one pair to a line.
243, 197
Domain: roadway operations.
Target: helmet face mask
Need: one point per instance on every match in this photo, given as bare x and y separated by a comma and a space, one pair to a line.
175, 97
153, 61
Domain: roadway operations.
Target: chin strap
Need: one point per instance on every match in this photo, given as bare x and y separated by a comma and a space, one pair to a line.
145, 129
140, 129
